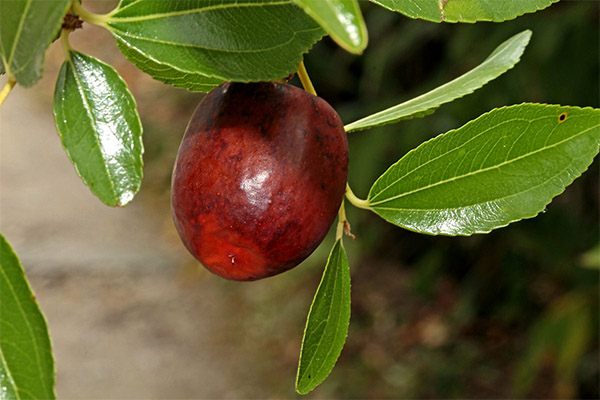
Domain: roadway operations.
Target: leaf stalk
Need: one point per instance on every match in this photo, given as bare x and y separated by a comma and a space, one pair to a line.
304, 78
356, 202
6, 89
100, 20
339, 232
64, 40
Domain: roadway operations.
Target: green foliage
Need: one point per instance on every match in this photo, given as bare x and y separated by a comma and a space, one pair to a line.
191, 81
26, 29
502, 167
100, 129
327, 323
342, 20
248, 40
501, 60
26, 363
464, 10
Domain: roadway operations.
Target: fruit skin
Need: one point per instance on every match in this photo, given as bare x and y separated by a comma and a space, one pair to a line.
259, 177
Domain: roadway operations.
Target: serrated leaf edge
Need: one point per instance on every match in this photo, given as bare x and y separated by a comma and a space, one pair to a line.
374, 208
182, 85
21, 23
430, 110
351, 48
339, 244
531, 11
116, 32
33, 336
91, 117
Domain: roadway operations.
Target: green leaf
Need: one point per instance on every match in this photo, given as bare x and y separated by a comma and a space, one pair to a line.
242, 40
502, 167
26, 363
187, 80
327, 323
342, 20
26, 29
501, 60
464, 10
100, 129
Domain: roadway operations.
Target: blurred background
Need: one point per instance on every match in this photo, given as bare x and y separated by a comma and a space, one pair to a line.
510, 314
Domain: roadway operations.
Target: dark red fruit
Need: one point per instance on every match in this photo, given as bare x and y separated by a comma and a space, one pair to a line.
259, 178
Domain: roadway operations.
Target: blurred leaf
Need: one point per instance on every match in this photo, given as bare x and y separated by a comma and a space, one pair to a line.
501, 60
26, 30
502, 167
591, 258
171, 76
242, 40
563, 333
342, 20
26, 363
327, 323
100, 129
464, 10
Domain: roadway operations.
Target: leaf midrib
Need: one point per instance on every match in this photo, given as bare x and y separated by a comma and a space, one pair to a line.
336, 260
425, 210
412, 104
480, 170
116, 19
442, 154
88, 110
8, 62
29, 328
120, 32
9, 374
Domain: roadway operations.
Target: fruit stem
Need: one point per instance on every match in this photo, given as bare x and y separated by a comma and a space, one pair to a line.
90, 17
6, 89
64, 40
356, 202
339, 232
306, 83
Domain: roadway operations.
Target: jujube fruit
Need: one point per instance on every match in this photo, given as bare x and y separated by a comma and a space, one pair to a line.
259, 177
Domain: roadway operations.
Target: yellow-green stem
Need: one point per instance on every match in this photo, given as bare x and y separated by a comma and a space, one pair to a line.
306, 83
7, 89
339, 232
360, 203
90, 17
64, 40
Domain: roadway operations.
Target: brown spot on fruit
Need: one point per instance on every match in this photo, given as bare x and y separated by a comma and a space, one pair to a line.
248, 195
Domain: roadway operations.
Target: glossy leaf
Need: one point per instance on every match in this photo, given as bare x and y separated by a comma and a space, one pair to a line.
499, 168
26, 363
327, 323
100, 129
464, 10
26, 29
501, 60
242, 40
187, 80
342, 20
